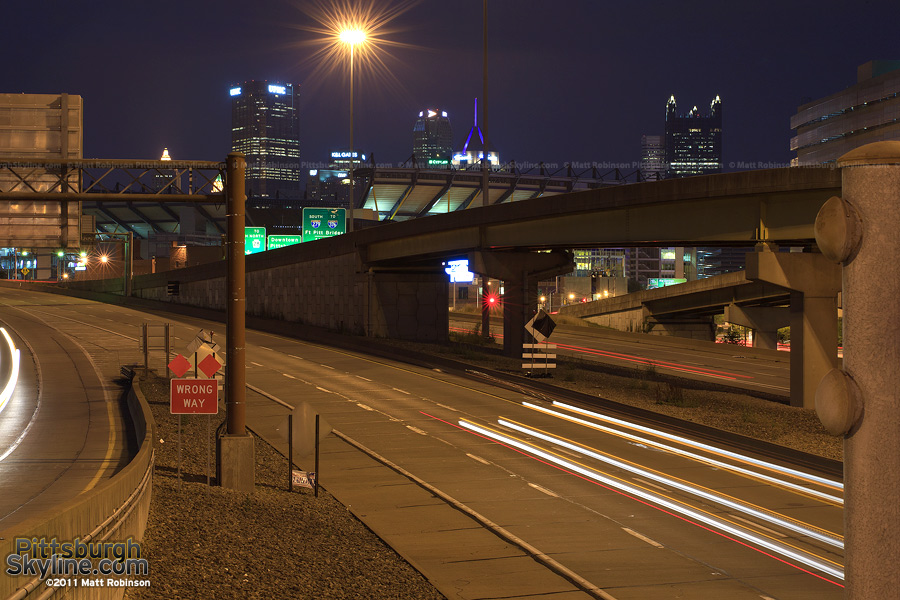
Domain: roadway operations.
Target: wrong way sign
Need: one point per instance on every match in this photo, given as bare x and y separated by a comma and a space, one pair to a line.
194, 397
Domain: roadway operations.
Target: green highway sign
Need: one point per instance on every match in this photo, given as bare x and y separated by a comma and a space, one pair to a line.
280, 241
321, 223
254, 240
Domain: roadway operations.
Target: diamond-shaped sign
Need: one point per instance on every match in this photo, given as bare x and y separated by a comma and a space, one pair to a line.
179, 365
209, 365
540, 326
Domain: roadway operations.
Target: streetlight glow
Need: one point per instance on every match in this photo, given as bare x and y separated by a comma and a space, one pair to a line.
353, 37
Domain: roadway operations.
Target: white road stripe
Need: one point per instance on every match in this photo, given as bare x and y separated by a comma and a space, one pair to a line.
643, 538
544, 490
479, 459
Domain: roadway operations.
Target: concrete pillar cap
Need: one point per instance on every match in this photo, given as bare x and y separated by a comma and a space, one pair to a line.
877, 153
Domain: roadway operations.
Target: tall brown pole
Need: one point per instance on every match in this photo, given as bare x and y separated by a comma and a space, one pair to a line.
485, 172
352, 198
235, 295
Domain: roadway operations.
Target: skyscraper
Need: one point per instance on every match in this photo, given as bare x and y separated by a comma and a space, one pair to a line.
433, 138
265, 127
653, 157
693, 141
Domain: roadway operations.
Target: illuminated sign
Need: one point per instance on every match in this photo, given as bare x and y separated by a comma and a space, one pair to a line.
277, 89
663, 282
667, 255
280, 241
254, 240
441, 162
458, 270
444, 113
235, 91
313, 172
346, 154
321, 223
432, 113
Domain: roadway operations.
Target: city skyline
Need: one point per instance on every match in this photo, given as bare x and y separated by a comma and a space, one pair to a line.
559, 90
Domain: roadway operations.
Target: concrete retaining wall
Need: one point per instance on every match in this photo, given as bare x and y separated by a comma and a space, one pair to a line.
115, 510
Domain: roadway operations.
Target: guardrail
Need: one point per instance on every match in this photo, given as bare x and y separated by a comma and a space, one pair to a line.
115, 510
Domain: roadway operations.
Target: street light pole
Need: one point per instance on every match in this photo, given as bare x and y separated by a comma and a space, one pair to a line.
352, 200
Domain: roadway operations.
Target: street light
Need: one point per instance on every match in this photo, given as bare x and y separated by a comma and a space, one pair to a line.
352, 37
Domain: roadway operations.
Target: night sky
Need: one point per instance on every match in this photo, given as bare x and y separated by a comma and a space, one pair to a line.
570, 80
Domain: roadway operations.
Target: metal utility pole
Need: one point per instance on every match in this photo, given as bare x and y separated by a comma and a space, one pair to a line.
485, 171
235, 450
235, 296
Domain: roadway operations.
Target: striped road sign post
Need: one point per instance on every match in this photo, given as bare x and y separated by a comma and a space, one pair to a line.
539, 356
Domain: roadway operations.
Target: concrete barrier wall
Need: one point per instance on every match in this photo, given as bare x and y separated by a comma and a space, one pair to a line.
115, 510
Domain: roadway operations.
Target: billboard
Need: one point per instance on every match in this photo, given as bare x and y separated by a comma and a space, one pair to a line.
321, 223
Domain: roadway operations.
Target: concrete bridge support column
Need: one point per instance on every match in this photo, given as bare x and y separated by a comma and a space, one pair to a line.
765, 322
815, 282
862, 402
520, 272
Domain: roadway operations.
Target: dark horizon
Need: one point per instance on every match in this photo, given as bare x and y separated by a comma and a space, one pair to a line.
579, 85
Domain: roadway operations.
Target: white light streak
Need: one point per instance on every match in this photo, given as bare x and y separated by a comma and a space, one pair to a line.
680, 485
761, 463
710, 461
800, 557
10, 386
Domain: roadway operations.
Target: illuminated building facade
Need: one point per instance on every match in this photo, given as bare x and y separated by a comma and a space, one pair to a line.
469, 158
433, 138
693, 141
861, 114
653, 157
265, 128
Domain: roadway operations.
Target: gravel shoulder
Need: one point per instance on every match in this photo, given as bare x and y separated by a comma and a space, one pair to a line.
208, 542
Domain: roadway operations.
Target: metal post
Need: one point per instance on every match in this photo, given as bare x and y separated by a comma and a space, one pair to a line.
861, 401
485, 309
168, 344
129, 264
316, 478
179, 451
208, 443
235, 402
485, 179
352, 199
145, 343
290, 452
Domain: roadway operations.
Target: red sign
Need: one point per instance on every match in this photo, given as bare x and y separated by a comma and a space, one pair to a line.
179, 365
209, 365
194, 397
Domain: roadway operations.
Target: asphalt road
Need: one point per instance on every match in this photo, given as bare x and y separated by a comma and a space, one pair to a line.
722, 364
62, 431
636, 513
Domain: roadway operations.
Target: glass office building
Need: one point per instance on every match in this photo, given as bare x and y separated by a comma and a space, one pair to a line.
693, 141
265, 128
433, 138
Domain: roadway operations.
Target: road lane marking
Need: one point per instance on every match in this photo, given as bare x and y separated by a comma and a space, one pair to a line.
543, 490
256, 364
288, 375
643, 538
479, 459
363, 378
417, 430
401, 391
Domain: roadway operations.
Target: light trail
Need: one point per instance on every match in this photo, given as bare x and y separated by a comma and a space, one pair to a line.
10, 386
836, 485
818, 563
703, 371
701, 492
710, 461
